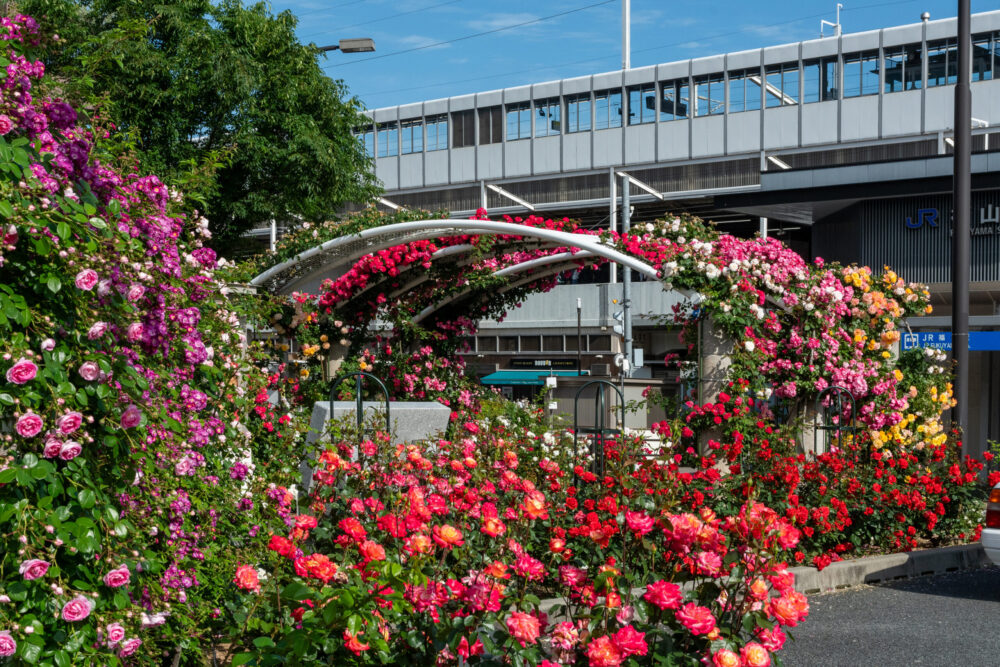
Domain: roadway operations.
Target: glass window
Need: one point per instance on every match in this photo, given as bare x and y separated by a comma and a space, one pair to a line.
519, 121
642, 104
744, 90
578, 113
902, 68
673, 100
782, 86
552, 343
607, 109
710, 95
548, 120
942, 62
367, 138
600, 343
530, 344
490, 125
982, 56
463, 129
819, 80
508, 343
487, 343
437, 133
412, 136
388, 140
861, 74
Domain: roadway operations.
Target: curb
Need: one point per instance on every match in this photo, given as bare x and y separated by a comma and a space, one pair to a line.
875, 569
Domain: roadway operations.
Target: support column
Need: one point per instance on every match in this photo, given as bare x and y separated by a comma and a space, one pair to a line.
613, 215
763, 228
627, 276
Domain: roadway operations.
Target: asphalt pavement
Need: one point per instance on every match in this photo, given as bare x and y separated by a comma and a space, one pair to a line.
950, 619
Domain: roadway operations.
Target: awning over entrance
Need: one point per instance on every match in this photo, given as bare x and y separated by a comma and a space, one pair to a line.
535, 377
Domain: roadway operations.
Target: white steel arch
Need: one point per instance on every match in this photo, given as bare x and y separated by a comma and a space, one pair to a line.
349, 249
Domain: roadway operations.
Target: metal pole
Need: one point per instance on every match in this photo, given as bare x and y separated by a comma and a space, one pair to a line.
627, 278
961, 237
763, 228
274, 234
579, 336
613, 215
626, 34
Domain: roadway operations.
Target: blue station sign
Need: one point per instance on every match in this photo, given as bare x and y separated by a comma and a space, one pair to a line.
979, 341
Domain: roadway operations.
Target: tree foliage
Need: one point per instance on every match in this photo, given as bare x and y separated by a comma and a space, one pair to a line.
220, 98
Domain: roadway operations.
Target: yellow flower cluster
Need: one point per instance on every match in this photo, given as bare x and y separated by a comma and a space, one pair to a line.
858, 277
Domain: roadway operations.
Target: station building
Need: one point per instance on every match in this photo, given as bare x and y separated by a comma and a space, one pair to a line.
840, 146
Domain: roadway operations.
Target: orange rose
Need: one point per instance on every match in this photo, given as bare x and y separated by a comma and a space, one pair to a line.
534, 506
419, 544
493, 526
755, 655
725, 658
372, 550
353, 644
447, 536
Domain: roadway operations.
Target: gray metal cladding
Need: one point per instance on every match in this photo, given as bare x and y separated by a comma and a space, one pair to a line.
912, 236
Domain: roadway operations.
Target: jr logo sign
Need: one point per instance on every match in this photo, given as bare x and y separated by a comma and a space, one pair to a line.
928, 215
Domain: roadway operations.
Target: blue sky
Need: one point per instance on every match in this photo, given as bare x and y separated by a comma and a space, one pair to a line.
572, 44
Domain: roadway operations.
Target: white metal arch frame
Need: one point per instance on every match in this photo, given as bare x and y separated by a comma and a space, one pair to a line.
349, 249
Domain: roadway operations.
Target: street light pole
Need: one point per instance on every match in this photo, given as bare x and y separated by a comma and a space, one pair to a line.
961, 237
627, 277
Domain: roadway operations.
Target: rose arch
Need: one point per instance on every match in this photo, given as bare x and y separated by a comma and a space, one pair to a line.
790, 328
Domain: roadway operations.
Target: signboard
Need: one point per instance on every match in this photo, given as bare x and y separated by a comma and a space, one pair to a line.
565, 364
987, 224
979, 341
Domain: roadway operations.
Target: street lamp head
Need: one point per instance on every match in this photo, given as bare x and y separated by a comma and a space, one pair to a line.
359, 45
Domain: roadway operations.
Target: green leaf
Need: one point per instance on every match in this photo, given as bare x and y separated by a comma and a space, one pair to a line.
30, 653
6, 399
6, 209
263, 642
29, 460
61, 659
53, 283
87, 498
242, 659
63, 230
7, 476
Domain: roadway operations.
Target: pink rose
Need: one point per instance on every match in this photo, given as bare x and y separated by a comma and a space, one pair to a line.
29, 425
48, 345
22, 371
134, 331
135, 292
90, 371
6, 125
52, 447
69, 422
10, 236
104, 288
117, 577
70, 450
129, 646
33, 569
86, 279
97, 331
8, 646
77, 609
116, 633
131, 417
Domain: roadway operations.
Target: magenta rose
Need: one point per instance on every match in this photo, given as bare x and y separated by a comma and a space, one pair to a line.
29, 425
90, 371
23, 370
33, 569
70, 450
131, 417
134, 331
69, 422
52, 447
10, 236
77, 609
135, 292
87, 279
8, 646
97, 331
104, 288
116, 633
129, 646
117, 577
6, 125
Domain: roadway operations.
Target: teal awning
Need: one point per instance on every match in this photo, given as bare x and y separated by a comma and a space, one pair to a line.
536, 377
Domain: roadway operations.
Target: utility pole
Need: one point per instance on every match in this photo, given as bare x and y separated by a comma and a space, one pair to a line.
626, 34
627, 278
961, 237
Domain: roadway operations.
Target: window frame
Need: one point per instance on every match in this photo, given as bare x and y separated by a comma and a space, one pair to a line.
412, 128
440, 126
390, 131
643, 94
522, 114
463, 126
713, 81
574, 103
544, 109
613, 120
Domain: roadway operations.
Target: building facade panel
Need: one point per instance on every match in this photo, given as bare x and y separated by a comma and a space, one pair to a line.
781, 127
859, 41
781, 54
743, 130
463, 164
546, 155
673, 141
743, 59
576, 151
517, 158
436, 171
640, 75
411, 170
462, 102
708, 136
901, 113
640, 144
939, 109
817, 48
856, 116
708, 65
489, 161
903, 34
608, 145
819, 123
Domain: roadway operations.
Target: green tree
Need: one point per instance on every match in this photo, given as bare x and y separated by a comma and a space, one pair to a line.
219, 98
